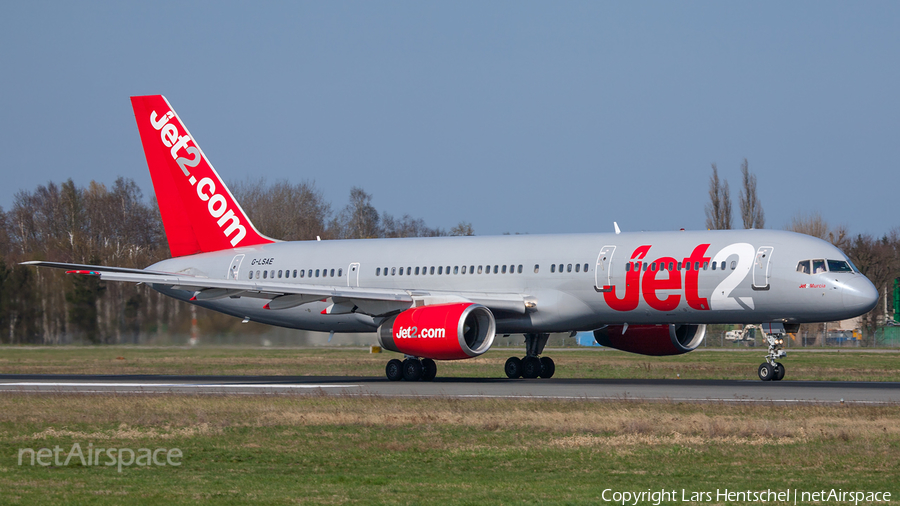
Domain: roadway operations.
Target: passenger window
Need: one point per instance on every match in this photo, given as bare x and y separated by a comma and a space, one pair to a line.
464, 269
585, 267
309, 273
332, 272
479, 269
662, 266
295, 273
417, 271
265, 274
687, 266
393, 271
577, 267
697, 266
409, 271
537, 268
818, 266
471, 269
272, 274
671, 265
317, 272
628, 267
251, 274
257, 274
378, 271
722, 267
440, 269
733, 264
496, 269
838, 266
447, 269
432, 270
714, 266
340, 272
401, 271
552, 267
569, 268
503, 270
455, 269
279, 274
302, 273
677, 266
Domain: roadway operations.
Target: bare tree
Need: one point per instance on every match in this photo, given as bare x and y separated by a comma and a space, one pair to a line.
812, 223
718, 210
292, 212
878, 260
359, 219
751, 209
462, 228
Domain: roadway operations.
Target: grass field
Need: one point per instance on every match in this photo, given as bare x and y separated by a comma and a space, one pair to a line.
326, 450
835, 365
281, 449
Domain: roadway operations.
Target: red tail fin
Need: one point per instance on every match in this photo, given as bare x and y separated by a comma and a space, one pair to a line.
198, 212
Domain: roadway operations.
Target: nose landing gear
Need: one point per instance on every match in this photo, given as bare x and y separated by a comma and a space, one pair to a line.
770, 370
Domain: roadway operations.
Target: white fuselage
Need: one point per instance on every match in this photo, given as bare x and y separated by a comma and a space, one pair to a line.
573, 282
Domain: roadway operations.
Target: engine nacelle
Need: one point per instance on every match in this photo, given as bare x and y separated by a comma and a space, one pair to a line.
441, 331
657, 340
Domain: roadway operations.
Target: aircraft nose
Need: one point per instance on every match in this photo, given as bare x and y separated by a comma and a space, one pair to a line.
860, 294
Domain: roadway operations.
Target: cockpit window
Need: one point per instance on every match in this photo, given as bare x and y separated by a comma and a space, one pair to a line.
803, 266
818, 266
839, 266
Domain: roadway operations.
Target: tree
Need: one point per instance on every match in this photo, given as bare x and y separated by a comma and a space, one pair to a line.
291, 212
751, 209
878, 260
359, 219
462, 228
82, 299
718, 210
812, 223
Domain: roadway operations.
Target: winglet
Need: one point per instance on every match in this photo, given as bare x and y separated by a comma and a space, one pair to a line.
198, 212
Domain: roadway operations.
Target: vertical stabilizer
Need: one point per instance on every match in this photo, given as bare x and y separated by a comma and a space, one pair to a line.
198, 212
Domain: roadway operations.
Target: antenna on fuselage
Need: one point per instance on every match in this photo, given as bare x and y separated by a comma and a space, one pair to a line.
616, 225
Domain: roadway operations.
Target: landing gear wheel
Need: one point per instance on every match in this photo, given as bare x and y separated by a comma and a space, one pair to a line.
429, 369
394, 370
766, 371
547, 367
531, 367
513, 367
412, 369
779, 372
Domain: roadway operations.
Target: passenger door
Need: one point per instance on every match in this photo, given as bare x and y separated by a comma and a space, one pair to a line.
761, 264
603, 271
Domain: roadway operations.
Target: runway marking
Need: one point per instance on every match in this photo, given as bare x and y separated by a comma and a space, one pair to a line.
179, 385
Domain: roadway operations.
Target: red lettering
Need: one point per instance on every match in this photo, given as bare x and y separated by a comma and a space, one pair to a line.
692, 281
631, 297
651, 283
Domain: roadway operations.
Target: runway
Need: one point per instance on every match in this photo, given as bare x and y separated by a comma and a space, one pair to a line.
575, 389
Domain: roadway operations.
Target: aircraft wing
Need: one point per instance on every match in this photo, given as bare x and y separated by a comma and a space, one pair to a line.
374, 301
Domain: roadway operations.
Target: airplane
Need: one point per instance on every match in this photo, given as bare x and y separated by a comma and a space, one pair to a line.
446, 298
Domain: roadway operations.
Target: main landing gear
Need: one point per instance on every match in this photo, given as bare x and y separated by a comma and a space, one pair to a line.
411, 369
770, 370
531, 366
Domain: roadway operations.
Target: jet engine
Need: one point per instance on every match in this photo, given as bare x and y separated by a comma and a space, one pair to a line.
442, 331
657, 340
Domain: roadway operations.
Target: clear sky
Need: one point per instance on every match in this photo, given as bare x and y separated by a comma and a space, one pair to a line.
516, 116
